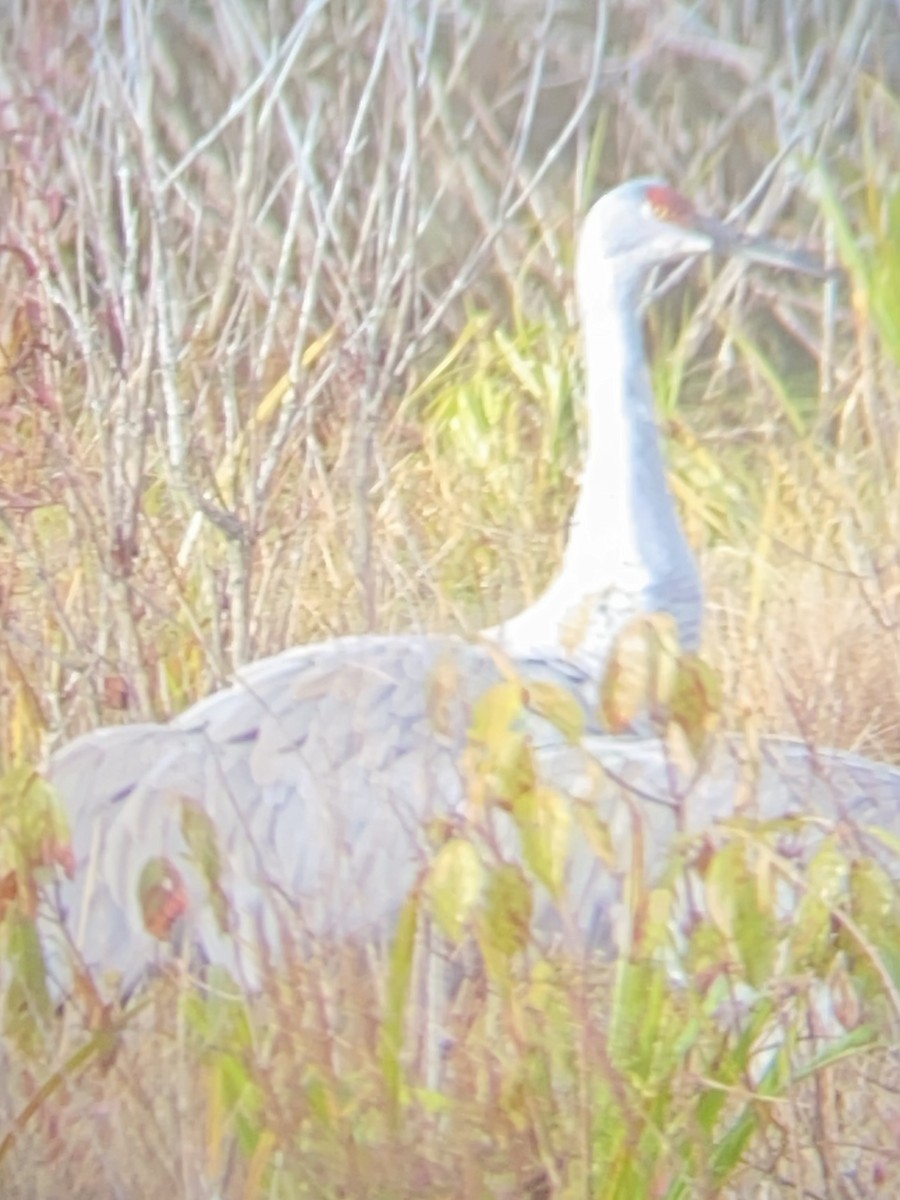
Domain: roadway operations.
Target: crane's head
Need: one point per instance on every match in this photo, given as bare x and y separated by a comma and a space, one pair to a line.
645, 223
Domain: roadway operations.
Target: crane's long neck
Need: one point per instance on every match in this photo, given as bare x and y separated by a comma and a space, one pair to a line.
626, 551
625, 517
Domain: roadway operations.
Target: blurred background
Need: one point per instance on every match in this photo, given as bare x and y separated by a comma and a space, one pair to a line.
288, 342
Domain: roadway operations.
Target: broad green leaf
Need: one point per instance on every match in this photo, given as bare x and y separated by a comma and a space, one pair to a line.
34, 834
873, 898
738, 907
695, 700
558, 706
875, 907
812, 933
505, 924
454, 887
500, 752
642, 671
26, 1003
657, 919
496, 712
544, 821
594, 830
637, 1017
719, 892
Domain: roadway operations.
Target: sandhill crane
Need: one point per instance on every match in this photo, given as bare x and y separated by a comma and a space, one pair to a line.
320, 774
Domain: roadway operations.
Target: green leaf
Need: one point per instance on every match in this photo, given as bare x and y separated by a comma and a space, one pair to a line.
501, 754
454, 887
642, 671
496, 712
34, 832
742, 910
201, 836
875, 907
695, 700
812, 934
400, 971
595, 831
558, 706
544, 821
637, 1017
505, 924
26, 1004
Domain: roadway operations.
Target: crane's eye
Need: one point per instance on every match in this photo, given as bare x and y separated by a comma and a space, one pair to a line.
668, 205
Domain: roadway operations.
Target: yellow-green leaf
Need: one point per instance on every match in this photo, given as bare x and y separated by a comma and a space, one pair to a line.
506, 923
558, 706
544, 822
454, 887
399, 977
695, 700
642, 671
200, 834
496, 712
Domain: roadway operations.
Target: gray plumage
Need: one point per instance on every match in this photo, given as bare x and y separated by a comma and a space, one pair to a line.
320, 772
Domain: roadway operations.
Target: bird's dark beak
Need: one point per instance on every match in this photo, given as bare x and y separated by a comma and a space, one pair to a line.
728, 240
